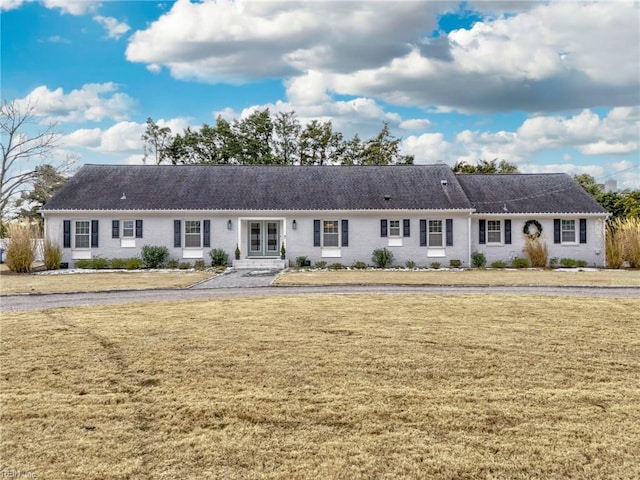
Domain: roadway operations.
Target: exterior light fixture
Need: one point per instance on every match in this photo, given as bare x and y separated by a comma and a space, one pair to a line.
294, 225
229, 225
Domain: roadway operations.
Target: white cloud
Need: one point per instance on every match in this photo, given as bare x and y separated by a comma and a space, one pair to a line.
73, 7
57, 39
416, 124
235, 41
122, 137
6, 5
93, 102
114, 27
587, 132
428, 148
85, 137
540, 57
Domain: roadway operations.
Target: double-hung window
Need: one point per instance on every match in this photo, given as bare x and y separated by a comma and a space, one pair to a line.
128, 229
192, 234
568, 231
394, 228
494, 232
83, 234
330, 233
435, 233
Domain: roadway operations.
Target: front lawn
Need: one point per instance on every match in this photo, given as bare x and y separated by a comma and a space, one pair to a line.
11, 284
462, 277
325, 386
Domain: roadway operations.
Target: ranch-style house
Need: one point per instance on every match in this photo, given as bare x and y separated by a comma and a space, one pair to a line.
339, 214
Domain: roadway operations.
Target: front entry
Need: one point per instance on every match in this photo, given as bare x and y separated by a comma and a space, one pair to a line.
264, 239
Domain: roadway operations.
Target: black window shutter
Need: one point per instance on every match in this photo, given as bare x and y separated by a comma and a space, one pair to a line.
583, 230
483, 231
345, 233
115, 228
406, 227
94, 233
556, 230
383, 228
449, 231
206, 237
507, 231
138, 228
316, 233
423, 233
177, 233
66, 237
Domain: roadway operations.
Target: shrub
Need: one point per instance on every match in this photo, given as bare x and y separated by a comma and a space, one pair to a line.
154, 257
520, 262
382, 258
320, 264
200, 265
410, 264
553, 262
133, 263
83, 263
300, 261
359, 265
52, 255
499, 264
173, 263
435, 265
21, 249
219, 257
572, 263
118, 263
536, 251
97, 263
455, 263
184, 265
335, 266
478, 260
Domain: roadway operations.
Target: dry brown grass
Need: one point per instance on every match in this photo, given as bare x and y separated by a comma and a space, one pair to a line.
463, 277
335, 386
95, 282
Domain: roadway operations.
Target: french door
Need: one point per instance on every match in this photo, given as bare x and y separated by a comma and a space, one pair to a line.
264, 239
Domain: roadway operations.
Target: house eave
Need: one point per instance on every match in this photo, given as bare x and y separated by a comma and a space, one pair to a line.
252, 211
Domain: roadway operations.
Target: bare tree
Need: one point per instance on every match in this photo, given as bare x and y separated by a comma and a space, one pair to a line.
25, 145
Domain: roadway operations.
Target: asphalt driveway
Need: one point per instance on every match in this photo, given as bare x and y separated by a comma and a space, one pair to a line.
41, 301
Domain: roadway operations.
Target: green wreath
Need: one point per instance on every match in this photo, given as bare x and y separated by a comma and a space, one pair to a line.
536, 224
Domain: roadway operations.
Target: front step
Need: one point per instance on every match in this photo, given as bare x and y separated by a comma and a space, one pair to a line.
260, 264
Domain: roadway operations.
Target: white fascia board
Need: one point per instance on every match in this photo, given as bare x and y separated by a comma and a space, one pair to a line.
540, 215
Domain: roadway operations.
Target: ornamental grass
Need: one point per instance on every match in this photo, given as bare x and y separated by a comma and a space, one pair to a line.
52, 255
536, 252
623, 241
21, 248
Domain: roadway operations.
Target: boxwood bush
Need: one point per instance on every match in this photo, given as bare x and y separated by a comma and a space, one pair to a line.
382, 258
154, 257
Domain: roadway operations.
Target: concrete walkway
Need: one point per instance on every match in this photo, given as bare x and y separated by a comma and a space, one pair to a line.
240, 278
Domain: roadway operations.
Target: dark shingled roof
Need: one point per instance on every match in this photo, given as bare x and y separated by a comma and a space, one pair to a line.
528, 193
189, 187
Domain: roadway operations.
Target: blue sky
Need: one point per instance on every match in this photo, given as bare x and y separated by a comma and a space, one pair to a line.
549, 86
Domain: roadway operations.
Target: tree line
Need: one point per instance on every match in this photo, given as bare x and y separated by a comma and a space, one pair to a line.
260, 139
